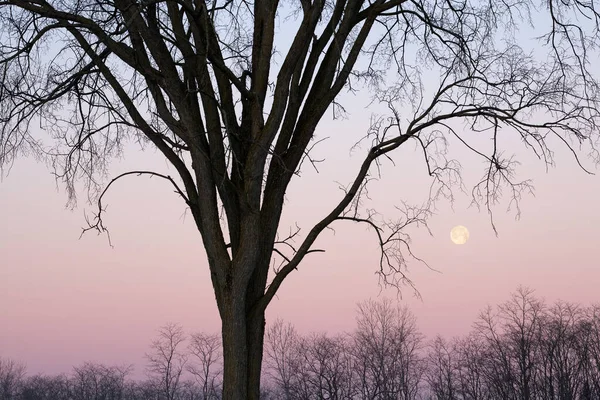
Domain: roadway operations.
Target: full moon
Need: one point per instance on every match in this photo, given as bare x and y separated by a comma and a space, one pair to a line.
459, 234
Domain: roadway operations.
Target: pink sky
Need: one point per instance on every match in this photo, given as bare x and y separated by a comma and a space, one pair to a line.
64, 300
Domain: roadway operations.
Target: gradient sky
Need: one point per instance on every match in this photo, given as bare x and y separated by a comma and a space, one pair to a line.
65, 300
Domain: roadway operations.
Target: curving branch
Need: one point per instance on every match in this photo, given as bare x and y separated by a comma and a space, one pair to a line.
98, 224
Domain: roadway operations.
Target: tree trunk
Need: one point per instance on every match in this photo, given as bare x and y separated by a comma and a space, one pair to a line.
255, 336
242, 350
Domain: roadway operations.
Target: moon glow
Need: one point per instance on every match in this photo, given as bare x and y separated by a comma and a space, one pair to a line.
459, 234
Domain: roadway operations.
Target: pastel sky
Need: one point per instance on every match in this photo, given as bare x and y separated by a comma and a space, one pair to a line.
65, 300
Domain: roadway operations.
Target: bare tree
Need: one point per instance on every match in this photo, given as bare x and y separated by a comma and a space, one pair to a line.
522, 317
282, 357
382, 359
166, 360
499, 366
565, 353
471, 360
205, 364
198, 81
441, 373
527, 350
191, 390
386, 347
326, 371
590, 351
40, 387
96, 381
12, 374
143, 390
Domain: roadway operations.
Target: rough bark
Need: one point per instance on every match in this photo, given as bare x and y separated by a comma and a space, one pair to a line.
243, 336
235, 349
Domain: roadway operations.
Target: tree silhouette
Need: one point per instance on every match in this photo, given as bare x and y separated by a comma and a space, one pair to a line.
198, 81
383, 358
167, 361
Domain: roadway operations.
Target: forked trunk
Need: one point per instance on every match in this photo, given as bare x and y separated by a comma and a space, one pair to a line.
242, 351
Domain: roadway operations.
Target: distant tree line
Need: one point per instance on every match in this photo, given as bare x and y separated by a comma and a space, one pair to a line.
523, 349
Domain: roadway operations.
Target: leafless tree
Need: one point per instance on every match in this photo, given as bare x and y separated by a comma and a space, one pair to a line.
199, 81
522, 317
143, 390
499, 366
96, 381
519, 348
40, 387
11, 378
441, 373
191, 390
527, 350
567, 368
512, 335
590, 351
471, 359
386, 347
205, 364
315, 366
167, 360
282, 357
326, 371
